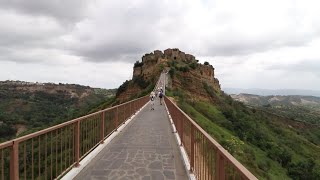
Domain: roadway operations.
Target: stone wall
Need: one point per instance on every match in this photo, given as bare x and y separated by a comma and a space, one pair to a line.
176, 54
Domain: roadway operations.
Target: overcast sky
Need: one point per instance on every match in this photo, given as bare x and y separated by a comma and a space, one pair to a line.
252, 44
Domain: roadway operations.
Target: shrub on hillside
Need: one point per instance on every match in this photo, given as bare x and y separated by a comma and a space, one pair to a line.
172, 72
141, 82
122, 87
7, 130
303, 170
193, 65
183, 68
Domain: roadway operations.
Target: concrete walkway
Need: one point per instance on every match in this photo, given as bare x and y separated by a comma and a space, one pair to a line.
144, 150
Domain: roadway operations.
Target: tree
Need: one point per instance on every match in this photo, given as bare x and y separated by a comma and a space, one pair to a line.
123, 87
172, 71
303, 170
6, 130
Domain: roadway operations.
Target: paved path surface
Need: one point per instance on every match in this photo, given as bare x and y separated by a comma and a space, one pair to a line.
144, 150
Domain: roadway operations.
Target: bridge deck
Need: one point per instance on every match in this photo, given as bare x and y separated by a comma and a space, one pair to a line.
145, 149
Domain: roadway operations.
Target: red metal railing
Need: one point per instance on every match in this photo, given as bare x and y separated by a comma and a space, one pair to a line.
208, 159
49, 153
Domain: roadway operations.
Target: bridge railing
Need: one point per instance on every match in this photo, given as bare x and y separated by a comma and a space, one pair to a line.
49, 153
208, 159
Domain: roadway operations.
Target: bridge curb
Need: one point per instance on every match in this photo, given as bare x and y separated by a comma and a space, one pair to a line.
183, 152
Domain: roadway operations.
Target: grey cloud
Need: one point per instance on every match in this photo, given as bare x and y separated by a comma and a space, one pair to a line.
8, 54
305, 66
25, 35
111, 52
237, 45
23, 55
125, 32
69, 10
20, 40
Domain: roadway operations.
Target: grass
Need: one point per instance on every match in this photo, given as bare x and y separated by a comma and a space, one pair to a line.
221, 135
269, 148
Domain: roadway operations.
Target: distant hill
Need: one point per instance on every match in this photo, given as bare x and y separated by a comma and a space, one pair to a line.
257, 100
27, 106
301, 108
269, 92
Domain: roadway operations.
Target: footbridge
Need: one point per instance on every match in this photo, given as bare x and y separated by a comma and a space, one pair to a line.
127, 141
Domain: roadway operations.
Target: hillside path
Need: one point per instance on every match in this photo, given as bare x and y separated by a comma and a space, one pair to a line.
144, 150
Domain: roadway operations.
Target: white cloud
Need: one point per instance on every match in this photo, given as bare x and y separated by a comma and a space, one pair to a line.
64, 11
250, 43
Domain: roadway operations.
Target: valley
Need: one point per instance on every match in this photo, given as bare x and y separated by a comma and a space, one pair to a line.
26, 107
299, 108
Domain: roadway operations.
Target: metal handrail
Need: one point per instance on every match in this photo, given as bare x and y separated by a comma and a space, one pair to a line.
208, 159
49, 153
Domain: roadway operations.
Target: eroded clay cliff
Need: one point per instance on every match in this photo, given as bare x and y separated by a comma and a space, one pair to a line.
183, 69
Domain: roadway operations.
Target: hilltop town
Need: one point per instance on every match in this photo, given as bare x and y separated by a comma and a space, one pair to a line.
152, 64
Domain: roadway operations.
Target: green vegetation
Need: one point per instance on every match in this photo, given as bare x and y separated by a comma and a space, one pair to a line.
139, 80
299, 108
172, 71
122, 87
183, 68
23, 110
193, 65
263, 142
7, 130
309, 114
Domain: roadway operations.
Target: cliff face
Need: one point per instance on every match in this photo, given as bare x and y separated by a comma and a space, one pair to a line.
185, 72
150, 61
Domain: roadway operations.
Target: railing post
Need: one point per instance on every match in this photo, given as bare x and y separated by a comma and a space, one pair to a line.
116, 119
220, 173
77, 143
181, 128
192, 149
126, 112
217, 164
14, 161
102, 127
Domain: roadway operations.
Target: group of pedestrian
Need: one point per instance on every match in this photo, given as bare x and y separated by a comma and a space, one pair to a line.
153, 95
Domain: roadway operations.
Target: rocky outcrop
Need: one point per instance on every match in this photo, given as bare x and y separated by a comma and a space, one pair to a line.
150, 60
193, 73
137, 71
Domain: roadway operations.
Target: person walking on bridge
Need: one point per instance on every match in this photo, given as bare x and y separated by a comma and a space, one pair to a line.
161, 95
152, 99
